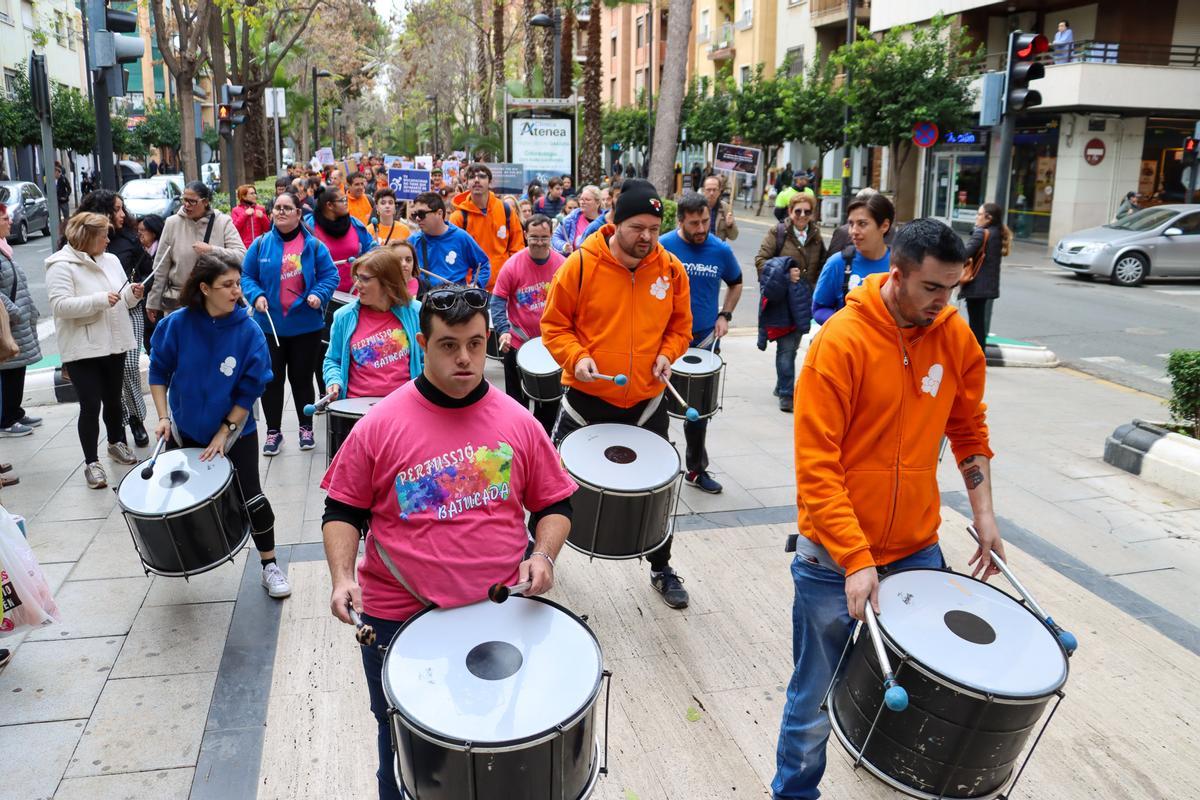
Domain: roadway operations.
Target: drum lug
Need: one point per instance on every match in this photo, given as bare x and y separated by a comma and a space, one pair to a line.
583, 617
606, 675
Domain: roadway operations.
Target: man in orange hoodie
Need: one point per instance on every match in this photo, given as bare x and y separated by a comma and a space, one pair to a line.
620, 305
883, 380
493, 224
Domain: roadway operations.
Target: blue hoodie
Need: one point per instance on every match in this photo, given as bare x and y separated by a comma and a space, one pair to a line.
827, 294
225, 364
566, 232
336, 369
453, 256
260, 276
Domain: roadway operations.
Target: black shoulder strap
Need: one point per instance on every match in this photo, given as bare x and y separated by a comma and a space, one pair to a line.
780, 235
211, 221
12, 292
848, 253
581, 273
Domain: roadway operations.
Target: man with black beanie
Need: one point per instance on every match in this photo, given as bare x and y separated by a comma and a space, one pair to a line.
620, 304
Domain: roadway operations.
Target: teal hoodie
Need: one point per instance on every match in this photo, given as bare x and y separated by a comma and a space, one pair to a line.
336, 369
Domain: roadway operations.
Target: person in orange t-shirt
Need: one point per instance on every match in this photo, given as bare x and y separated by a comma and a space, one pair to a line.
494, 224
620, 304
356, 195
897, 364
386, 228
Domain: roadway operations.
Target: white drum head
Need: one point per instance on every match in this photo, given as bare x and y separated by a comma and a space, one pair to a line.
534, 358
345, 298
353, 406
970, 632
492, 672
180, 481
697, 361
623, 458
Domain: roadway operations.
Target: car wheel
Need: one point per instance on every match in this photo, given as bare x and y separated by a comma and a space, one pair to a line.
1130, 270
21, 236
46, 230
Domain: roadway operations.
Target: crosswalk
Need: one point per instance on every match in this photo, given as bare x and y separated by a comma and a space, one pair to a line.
1127, 367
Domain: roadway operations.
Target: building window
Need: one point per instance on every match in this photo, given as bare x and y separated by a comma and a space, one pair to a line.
641, 32
704, 23
5, 16
639, 82
613, 45
612, 90
27, 14
743, 75
10, 84
60, 28
662, 26
795, 60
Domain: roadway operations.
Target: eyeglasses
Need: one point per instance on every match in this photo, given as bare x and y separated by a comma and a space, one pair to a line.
538, 239
191, 201
363, 279
278, 209
801, 212
342, 199
446, 299
422, 214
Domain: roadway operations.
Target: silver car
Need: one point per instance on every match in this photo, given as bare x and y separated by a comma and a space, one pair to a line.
1163, 241
151, 196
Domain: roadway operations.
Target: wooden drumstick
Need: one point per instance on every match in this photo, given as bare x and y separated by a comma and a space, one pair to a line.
319, 406
499, 592
148, 470
691, 413
619, 380
364, 633
894, 695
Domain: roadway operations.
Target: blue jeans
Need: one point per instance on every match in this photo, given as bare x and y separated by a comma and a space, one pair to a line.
785, 363
820, 627
372, 658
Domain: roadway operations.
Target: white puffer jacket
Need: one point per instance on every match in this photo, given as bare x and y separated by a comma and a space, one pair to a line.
86, 325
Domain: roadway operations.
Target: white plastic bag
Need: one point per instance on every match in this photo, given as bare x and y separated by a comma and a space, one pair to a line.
27, 600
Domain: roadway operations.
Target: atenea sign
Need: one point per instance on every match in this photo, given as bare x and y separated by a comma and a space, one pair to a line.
543, 146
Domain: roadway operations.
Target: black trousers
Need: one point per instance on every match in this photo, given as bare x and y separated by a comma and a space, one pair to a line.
293, 360
243, 457
595, 411
98, 383
979, 318
12, 389
546, 413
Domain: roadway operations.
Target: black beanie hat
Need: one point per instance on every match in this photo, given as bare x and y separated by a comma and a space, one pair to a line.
638, 196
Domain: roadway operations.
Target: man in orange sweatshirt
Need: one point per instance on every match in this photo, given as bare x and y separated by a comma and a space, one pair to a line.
620, 305
883, 380
493, 224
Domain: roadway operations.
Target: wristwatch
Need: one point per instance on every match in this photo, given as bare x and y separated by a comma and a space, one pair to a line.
728, 315
230, 424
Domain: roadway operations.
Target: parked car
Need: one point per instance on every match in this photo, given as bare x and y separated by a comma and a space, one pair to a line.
172, 177
151, 196
1163, 241
27, 207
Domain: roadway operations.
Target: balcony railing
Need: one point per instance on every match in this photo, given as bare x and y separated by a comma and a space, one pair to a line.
721, 46
704, 36
827, 12
1096, 52
746, 21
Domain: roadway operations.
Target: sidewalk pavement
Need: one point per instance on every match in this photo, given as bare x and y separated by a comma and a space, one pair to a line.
158, 687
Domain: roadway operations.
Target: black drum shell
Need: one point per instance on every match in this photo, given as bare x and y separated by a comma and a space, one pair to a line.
196, 539
701, 392
493, 344
918, 746
542, 388
330, 309
337, 427
622, 525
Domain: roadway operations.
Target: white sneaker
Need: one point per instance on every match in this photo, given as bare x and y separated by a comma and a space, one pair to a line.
275, 582
94, 475
120, 453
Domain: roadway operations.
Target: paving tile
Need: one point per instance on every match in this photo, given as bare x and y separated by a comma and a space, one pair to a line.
167, 784
95, 608
60, 541
35, 757
733, 497
143, 724
78, 502
775, 496
175, 639
111, 554
214, 586
1140, 495
49, 681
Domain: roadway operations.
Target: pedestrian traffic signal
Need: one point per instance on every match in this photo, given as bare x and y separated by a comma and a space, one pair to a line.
1023, 68
231, 111
1191, 150
108, 48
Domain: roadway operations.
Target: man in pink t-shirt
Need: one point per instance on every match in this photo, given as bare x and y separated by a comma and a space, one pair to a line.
518, 299
439, 476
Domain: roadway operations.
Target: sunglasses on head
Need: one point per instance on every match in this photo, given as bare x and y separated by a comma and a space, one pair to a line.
445, 299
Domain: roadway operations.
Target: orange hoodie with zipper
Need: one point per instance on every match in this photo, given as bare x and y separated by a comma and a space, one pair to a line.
492, 231
872, 403
621, 319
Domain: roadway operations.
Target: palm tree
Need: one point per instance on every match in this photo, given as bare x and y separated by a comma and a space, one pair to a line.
548, 51
593, 141
527, 12
670, 96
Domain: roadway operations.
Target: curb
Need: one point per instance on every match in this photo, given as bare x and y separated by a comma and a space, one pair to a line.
44, 387
1024, 355
1157, 455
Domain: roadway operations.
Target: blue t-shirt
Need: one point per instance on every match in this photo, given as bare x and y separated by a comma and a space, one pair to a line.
451, 256
707, 265
827, 295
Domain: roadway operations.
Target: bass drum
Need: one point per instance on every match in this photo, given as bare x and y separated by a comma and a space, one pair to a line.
340, 419
189, 517
483, 707
979, 669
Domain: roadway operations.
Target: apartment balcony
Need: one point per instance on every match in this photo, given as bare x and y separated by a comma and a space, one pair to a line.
746, 21
721, 47
704, 36
823, 13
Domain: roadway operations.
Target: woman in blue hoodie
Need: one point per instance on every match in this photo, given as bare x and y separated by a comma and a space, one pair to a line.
208, 364
288, 277
373, 342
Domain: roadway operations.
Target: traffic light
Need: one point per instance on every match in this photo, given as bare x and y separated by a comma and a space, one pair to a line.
1023, 68
231, 111
108, 48
1191, 150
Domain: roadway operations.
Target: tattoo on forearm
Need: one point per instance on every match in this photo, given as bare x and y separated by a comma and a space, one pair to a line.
971, 472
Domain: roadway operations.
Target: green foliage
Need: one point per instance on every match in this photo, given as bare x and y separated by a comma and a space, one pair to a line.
759, 111
211, 137
668, 217
815, 106
124, 142
1184, 368
73, 120
220, 200
706, 112
160, 128
18, 125
624, 126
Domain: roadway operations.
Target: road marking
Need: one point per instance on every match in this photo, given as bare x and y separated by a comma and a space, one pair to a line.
1121, 365
1192, 291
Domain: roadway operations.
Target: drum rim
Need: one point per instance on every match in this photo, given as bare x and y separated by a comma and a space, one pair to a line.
857, 755
588, 788
582, 482
622, 492
501, 745
343, 413
195, 506
976, 692
689, 375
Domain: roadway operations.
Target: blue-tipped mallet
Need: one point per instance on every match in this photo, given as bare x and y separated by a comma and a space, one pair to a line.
1068, 640
619, 380
691, 413
319, 406
894, 695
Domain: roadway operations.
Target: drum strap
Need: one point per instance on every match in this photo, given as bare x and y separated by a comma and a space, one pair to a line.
651, 407
391, 566
648, 412
570, 411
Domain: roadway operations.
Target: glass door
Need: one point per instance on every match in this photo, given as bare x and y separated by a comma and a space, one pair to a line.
943, 166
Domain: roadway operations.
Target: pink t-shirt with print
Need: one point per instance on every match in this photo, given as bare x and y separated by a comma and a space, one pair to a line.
525, 283
341, 249
291, 275
447, 489
379, 352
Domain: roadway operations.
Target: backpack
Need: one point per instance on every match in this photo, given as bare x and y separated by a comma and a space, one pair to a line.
975, 263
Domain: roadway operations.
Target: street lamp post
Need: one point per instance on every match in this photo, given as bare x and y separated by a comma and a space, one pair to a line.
555, 24
317, 73
437, 123
333, 115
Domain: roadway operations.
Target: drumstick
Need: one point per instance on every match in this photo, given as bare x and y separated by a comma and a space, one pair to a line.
319, 406
1068, 639
894, 696
499, 592
274, 332
148, 470
349, 260
691, 413
365, 634
619, 380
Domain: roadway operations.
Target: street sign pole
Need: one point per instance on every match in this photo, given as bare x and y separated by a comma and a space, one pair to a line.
39, 87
